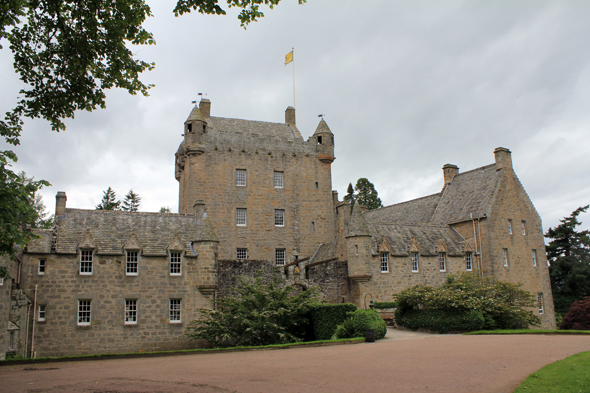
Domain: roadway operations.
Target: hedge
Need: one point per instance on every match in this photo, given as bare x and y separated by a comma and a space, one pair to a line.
326, 317
442, 321
382, 305
359, 322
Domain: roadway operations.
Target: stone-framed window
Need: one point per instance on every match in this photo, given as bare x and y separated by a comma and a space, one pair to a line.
84, 312
414, 262
523, 227
86, 259
505, 257
384, 259
241, 253
468, 261
541, 303
356, 249
130, 311
241, 217
313, 226
42, 267
175, 263
280, 257
279, 218
534, 257
175, 313
241, 177
510, 227
131, 264
41, 313
442, 262
278, 179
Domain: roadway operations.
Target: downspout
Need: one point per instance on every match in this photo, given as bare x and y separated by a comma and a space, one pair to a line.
480, 249
477, 254
33, 332
20, 262
27, 329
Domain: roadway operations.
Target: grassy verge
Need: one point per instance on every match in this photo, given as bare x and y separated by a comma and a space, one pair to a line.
529, 331
568, 375
180, 352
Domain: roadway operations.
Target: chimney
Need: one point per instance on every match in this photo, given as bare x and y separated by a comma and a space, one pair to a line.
199, 209
60, 204
205, 107
290, 115
503, 158
449, 172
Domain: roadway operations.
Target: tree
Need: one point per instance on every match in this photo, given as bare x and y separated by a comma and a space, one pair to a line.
366, 195
109, 201
578, 317
349, 197
568, 254
131, 202
165, 209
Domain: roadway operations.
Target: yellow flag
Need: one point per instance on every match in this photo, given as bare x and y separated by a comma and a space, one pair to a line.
288, 57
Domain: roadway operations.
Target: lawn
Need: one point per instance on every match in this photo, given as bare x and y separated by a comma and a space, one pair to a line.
569, 375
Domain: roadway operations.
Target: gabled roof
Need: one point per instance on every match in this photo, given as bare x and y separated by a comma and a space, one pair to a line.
416, 211
42, 245
253, 128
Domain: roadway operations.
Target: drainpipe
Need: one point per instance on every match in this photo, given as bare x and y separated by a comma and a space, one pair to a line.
480, 250
477, 254
27, 329
20, 262
33, 332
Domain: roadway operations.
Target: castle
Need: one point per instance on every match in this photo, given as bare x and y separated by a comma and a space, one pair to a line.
255, 198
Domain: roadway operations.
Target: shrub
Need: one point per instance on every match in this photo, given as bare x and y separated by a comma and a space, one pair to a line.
326, 317
578, 317
359, 322
382, 305
261, 314
451, 307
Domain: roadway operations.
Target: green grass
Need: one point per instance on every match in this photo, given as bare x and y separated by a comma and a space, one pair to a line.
529, 331
565, 376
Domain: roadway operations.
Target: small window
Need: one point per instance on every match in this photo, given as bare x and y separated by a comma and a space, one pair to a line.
130, 311
384, 257
541, 303
175, 311
131, 264
240, 177
320, 139
534, 257
42, 266
505, 257
442, 265
84, 312
279, 218
313, 226
41, 313
241, 217
86, 262
241, 253
523, 227
414, 261
280, 256
189, 128
278, 179
2, 281
175, 264
317, 185
468, 265
356, 249
510, 227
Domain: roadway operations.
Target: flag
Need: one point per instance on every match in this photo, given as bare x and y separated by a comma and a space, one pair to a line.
288, 57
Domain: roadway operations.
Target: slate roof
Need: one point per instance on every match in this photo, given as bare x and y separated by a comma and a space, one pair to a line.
357, 225
110, 230
416, 211
41, 245
324, 252
220, 125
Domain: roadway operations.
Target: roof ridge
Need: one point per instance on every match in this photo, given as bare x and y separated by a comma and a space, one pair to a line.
70, 209
476, 169
408, 201
253, 121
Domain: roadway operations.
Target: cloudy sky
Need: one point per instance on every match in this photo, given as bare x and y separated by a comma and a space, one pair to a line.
405, 86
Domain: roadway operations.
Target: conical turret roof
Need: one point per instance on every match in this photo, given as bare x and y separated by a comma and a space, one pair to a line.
195, 115
322, 128
357, 225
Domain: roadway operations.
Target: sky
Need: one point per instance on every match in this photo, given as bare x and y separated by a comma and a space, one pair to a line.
405, 86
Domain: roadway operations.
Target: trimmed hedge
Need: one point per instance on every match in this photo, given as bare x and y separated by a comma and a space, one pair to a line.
326, 317
359, 322
442, 321
382, 305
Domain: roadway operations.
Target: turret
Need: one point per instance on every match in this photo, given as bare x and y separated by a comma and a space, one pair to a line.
325, 141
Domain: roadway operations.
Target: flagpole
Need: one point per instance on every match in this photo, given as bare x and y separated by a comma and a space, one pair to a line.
293, 49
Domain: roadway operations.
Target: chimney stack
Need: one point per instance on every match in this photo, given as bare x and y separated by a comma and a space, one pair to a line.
503, 158
60, 204
199, 209
205, 107
449, 172
290, 116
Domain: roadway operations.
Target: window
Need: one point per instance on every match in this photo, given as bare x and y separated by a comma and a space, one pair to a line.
442, 266
240, 177
280, 256
534, 256
356, 249
175, 310
2, 281
541, 303
313, 226
468, 265
317, 185
241, 217
510, 227
278, 179
41, 313
242, 253
83, 312
279, 218
175, 264
414, 260
130, 311
42, 266
86, 262
523, 227
505, 257
384, 257
131, 265
320, 139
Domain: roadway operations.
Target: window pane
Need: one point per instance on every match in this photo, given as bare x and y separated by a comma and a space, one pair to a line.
241, 217
175, 310
130, 311
131, 267
414, 259
83, 312
175, 263
278, 179
241, 253
86, 262
384, 257
240, 177
279, 218
441, 262
280, 256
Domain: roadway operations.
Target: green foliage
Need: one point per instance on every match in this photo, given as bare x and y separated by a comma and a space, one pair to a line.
261, 314
564, 376
165, 209
382, 305
131, 202
326, 317
568, 254
578, 317
109, 201
366, 195
345, 330
349, 197
359, 322
463, 301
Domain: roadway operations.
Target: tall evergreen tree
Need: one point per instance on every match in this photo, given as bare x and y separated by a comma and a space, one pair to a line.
131, 202
366, 195
349, 197
568, 253
109, 201
165, 209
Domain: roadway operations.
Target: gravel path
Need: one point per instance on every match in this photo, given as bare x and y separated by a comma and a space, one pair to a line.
403, 362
